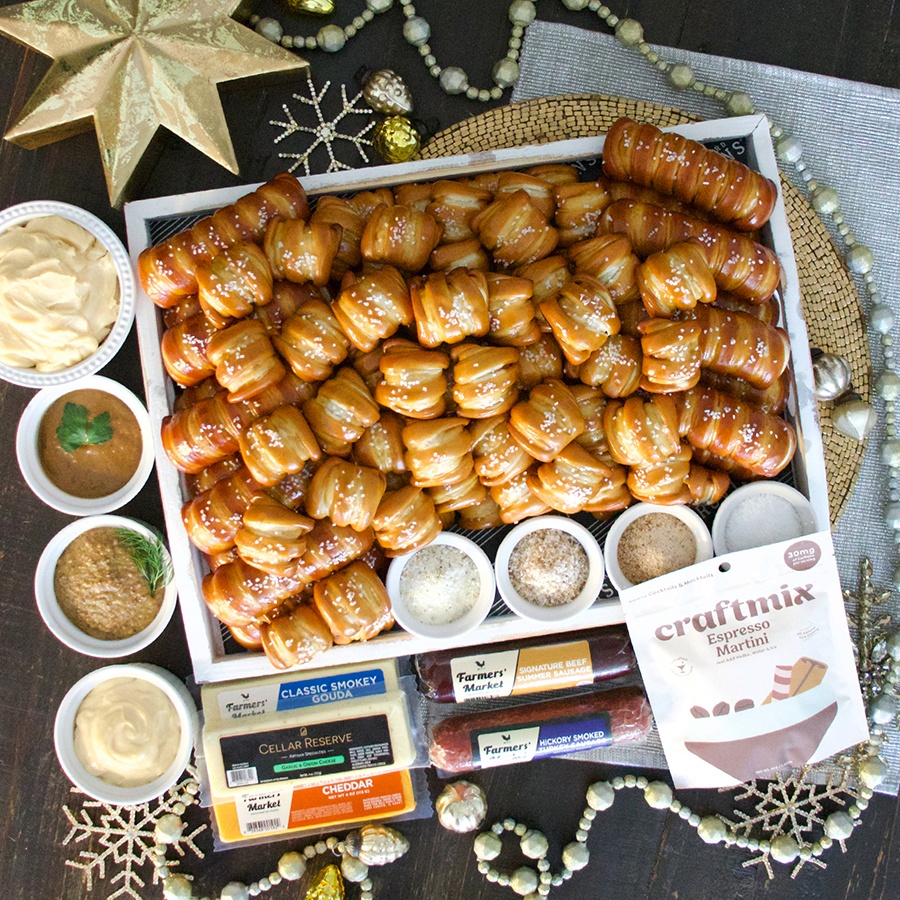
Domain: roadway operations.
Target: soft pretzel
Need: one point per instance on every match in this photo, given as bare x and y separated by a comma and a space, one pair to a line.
209, 475
707, 486
592, 405
676, 165
477, 516
354, 603
642, 431
406, 520
287, 298
438, 451
454, 205
671, 354
516, 500
663, 482
400, 236
330, 547
245, 360
571, 481
450, 498
271, 536
547, 421
340, 412
498, 458
540, 361
302, 251
184, 350
540, 191
195, 437
312, 342
484, 379
615, 367
740, 265
515, 231
582, 316
468, 254
450, 306
212, 518
757, 441
610, 259
238, 594
372, 307
579, 206
381, 444
295, 636
338, 211
345, 493
235, 281
278, 444
365, 202
414, 383
676, 279
416, 196
511, 310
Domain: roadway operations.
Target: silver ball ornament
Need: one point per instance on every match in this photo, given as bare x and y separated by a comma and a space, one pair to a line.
386, 92
832, 375
883, 710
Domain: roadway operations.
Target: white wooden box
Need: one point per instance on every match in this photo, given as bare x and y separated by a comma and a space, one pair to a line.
143, 219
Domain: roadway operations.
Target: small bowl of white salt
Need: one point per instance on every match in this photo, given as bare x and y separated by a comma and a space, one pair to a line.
442, 590
761, 513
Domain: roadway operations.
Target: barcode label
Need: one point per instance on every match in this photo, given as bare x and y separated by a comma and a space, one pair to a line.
241, 777
273, 824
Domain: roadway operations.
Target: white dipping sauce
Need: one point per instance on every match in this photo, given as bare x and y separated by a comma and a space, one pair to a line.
127, 732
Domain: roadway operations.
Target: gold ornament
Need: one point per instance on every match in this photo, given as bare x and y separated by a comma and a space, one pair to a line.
327, 885
131, 66
311, 7
397, 140
386, 92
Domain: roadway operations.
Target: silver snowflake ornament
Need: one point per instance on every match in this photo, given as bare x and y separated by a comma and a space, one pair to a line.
325, 133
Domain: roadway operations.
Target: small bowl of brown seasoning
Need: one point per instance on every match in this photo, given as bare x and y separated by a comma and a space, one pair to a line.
549, 569
104, 586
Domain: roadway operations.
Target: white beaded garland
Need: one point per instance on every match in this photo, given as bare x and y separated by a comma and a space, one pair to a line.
234, 890
784, 849
417, 31
711, 829
291, 866
176, 887
453, 80
524, 881
575, 856
600, 795
658, 795
522, 13
331, 39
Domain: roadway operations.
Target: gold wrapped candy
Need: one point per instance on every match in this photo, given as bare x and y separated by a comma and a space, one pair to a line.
327, 885
311, 7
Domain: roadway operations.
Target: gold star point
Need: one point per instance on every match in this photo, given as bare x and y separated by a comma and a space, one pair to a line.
129, 67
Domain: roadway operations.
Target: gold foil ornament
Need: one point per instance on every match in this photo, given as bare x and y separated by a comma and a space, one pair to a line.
129, 67
396, 139
311, 7
386, 92
327, 885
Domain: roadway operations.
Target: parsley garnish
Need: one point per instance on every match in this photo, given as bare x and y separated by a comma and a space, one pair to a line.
77, 430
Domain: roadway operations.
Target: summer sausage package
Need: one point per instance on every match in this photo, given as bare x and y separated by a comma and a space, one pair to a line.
748, 663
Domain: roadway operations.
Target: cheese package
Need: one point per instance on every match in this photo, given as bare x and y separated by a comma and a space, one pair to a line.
284, 811
326, 724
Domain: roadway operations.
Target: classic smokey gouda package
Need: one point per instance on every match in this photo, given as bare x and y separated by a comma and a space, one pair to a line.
748, 663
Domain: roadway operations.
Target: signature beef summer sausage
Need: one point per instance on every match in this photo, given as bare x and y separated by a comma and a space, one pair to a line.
525, 667
533, 730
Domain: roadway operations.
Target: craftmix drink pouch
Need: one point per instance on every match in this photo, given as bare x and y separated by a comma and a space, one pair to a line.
748, 663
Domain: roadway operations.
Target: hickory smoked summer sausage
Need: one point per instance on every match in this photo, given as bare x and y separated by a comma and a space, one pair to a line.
497, 737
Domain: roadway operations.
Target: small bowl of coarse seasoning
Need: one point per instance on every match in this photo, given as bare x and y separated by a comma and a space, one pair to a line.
442, 590
549, 569
648, 540
104, 586
761, 513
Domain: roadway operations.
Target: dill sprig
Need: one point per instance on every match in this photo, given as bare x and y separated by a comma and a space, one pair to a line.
150, 556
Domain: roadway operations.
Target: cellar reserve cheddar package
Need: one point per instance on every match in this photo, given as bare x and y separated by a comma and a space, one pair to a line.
748, 663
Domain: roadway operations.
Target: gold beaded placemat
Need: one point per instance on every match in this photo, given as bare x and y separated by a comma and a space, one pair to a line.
834, 315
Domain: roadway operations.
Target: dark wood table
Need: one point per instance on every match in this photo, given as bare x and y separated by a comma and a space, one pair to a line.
637, 853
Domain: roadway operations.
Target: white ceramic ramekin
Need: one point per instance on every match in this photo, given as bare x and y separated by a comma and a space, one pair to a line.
64, 734
565, 611
57, 621
683, 513
469, 620
30, 463
112, 343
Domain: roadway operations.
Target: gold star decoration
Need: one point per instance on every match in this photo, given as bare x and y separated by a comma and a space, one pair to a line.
128, 67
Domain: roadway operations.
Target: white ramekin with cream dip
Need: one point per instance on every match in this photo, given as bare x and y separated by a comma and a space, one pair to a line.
124, 734
58, 263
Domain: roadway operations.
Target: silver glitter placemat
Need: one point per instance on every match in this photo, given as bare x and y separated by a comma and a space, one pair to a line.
849, 132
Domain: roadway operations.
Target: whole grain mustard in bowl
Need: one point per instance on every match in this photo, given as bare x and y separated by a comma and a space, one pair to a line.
549, 569
67, 293
104, 586
442, 590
